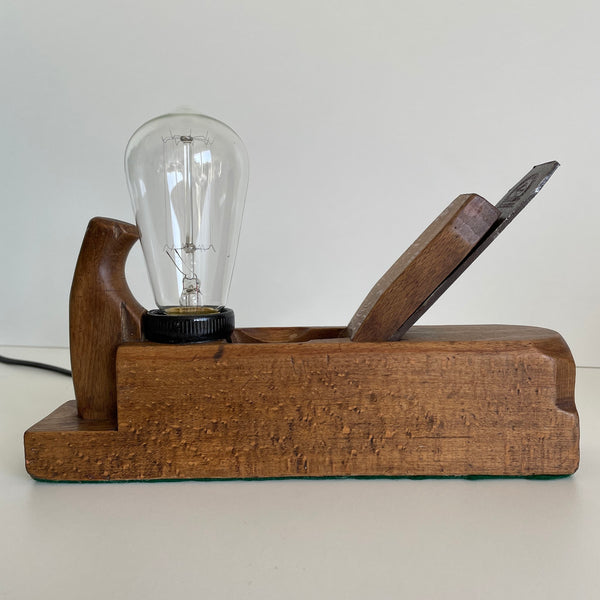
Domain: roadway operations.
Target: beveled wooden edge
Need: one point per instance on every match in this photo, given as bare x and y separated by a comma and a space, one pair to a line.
291, 335
418, 333
66, 418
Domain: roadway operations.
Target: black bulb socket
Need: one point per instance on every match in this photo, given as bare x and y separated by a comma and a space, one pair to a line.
165, 328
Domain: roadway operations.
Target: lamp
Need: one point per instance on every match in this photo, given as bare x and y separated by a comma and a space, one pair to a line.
494, 400
187, 175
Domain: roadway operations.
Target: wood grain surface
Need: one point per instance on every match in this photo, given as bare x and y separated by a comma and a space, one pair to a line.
422, 268
446, 401
102, 314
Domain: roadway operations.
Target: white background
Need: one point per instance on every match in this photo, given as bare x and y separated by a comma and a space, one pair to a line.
363, 120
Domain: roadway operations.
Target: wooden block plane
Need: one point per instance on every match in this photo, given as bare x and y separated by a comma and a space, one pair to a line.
446, 401
485, 400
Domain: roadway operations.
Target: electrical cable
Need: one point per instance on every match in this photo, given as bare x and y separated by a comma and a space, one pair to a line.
37, 365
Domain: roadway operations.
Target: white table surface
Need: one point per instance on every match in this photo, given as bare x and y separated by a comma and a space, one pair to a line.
456, 538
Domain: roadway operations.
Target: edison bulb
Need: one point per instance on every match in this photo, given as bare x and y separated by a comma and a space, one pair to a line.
187, 175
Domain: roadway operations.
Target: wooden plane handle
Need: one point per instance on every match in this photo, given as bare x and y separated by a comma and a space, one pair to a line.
426, 263
103, 313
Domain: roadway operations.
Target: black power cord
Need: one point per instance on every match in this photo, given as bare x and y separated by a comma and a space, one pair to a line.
37, 365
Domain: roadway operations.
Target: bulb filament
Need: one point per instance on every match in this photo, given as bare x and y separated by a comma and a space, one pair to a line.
185, 256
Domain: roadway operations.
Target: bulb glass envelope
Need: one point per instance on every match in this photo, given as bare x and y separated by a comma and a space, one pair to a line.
187, 176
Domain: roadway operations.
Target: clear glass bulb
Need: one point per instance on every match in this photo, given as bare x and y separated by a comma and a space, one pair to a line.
187, 176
